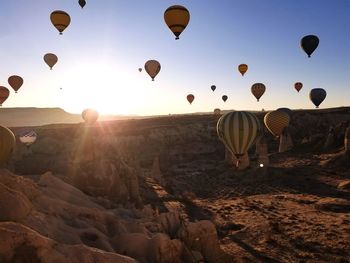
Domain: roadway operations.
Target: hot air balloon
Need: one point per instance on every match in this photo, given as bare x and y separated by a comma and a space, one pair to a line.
224, 98
82, 3
60, 20
286, 110
4, 94
27, 137
238, 130
309, 44
242, 68
50, 59
140, 69
190, 98
298, 86
152, 67
213, 87
217, 111
276, 121
317, 96
7, 144
177, 17
258, 89
15, 82
90, 116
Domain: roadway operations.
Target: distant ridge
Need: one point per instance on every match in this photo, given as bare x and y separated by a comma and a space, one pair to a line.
19, 117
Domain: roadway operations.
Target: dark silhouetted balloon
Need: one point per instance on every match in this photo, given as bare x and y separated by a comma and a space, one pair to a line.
60, 20
15, 82
213, 87
317, 96
4, 94
140, 69
258, 89
82, 3
286, 110
224, 98
190, 98
177, 17
298, 86
309, 43
152, 67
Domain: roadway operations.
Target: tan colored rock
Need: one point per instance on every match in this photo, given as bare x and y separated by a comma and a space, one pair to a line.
344, 185
170, 222
201, 236
14, 206
20, 244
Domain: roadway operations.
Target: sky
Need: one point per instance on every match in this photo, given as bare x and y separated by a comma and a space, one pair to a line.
108, 40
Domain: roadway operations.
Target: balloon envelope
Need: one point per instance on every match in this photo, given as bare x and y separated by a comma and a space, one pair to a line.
213, 87
50, 59
4, 94
276, 121
7, 144
258, 89
27, 137
286, 110
298, 86
217, 111
224, 98
177, 17
309, 43
15, 82
190, 98
140, 69
90, 116
82, 3
242, 68
317, 96
152, 67
238, 131
60, 20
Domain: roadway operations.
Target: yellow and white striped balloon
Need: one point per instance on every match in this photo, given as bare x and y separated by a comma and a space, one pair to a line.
276, 121
238, 131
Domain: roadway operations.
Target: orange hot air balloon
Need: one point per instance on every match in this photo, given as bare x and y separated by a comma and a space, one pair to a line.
242, 68
298, 86
190, 98
60, 20
50, 59
15, 82
177, 17
90, 116
276, 121
4, 94
258, 89
152, 67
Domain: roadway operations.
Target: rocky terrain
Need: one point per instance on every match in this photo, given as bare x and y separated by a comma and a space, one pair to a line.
160, 190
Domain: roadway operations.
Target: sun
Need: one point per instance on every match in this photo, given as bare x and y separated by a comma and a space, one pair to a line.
103, 86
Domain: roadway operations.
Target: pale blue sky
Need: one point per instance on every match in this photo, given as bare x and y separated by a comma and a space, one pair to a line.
107, 41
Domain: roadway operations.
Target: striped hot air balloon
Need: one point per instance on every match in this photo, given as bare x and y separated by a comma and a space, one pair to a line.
238, 130
276, 121
7, 144
177, 17
258, 89
242, 68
